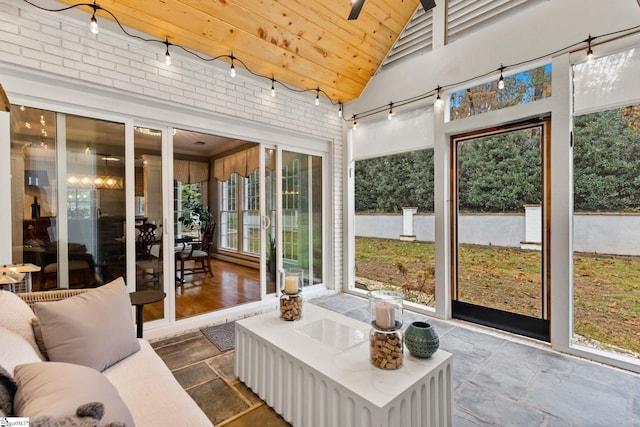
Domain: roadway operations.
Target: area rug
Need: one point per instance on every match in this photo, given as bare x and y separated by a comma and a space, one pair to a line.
222, 336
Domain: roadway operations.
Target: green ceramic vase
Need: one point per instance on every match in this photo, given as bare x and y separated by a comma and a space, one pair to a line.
421, 340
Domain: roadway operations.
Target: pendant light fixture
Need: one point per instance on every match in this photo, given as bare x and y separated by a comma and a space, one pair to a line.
167, 55
501, 80
93, 24
438, 102
232, 70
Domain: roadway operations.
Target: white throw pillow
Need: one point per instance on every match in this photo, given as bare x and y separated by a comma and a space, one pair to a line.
58, 389
15, 350
16, 316
93, 329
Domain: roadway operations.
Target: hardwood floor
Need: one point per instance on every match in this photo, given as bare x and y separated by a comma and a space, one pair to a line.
231, 285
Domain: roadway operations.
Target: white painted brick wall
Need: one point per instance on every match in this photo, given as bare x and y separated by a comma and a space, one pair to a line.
60, 43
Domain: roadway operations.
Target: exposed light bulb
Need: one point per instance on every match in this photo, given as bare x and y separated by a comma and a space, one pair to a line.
390, 115
232, 70
93, 25
589, 54
438, 102
318, 96
167, 55
339, 108
273, 87
22, 108
355, 123
501, 82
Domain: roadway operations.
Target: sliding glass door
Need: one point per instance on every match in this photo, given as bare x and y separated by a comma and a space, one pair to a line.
68, 195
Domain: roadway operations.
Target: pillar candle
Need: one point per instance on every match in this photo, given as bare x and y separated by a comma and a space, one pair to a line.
385, 315
291, 285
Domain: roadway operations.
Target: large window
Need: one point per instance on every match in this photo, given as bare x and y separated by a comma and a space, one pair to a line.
521, 88
240, 213
606, 260
251, 213
229, 213
290, 209
391, 192
606, 202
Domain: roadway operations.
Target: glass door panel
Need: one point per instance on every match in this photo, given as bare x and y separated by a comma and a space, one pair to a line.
216, 202
499, 251
34, 192
149, 215
96, 201
271, 217
302, 215
74, 239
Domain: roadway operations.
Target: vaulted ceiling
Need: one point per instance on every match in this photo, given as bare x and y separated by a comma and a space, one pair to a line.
304, 43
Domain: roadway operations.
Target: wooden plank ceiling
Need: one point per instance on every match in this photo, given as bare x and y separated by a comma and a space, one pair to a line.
304, 43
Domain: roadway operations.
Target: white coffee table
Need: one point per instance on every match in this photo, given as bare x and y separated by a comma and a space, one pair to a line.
316, 372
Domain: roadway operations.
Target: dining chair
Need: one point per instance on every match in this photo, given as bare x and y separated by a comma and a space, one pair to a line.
198, 253
148, 265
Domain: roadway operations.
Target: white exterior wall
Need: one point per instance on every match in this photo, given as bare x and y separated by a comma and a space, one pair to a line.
602, 234
52, 61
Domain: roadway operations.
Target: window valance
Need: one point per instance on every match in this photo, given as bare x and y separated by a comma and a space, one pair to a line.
244, 163
190, 172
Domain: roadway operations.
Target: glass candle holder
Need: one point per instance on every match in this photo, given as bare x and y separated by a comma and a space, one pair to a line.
292, 283
386, 310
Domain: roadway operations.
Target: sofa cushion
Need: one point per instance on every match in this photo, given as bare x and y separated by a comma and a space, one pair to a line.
165, 402
93, 329
15, 350
57, 389
37, 334
16, 316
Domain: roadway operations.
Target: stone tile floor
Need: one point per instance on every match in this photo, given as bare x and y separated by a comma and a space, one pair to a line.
498, 380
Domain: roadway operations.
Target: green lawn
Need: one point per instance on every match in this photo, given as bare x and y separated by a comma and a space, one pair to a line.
606, 289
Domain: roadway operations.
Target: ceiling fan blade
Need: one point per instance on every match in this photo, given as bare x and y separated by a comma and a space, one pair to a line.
429, 4
355, 10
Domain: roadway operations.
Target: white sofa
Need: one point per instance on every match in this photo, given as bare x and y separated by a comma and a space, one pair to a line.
142, 380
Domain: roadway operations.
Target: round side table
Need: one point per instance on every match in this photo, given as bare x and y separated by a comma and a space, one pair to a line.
140, 299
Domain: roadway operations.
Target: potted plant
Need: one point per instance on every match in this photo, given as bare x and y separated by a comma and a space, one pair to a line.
195, 215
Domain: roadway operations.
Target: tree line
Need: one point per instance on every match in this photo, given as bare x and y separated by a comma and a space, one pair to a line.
502, 173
